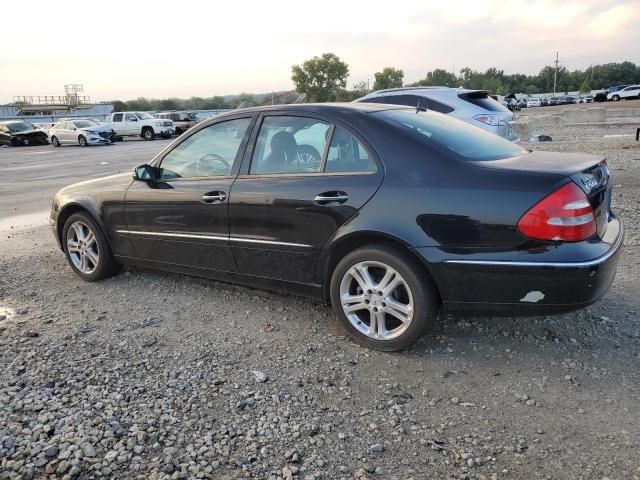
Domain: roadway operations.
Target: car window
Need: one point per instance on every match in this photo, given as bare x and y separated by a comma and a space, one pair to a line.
466, 141
130, 117
346, 154
289, 145
117, 117
424, 102
209, 152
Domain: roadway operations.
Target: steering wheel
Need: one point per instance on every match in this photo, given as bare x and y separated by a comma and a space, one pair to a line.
211, 157
308, 154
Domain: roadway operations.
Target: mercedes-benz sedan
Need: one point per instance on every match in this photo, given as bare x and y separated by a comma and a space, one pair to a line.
389, 213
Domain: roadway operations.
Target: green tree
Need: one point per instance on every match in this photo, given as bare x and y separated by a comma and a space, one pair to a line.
438, 77
119, 106
320, 77
389, 77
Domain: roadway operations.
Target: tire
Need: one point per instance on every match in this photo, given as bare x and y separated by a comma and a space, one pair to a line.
98, 262
148, 133
616, 98
55, 142
178, 132
415, 290
166, 136
82, 141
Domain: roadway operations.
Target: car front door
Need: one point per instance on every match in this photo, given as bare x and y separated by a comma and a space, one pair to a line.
302, 179
181, 217
131, 124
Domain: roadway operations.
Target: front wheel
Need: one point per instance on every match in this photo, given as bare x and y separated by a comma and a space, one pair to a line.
87, 249
616, 98
383, 297
55, 141
82, 141
148, 134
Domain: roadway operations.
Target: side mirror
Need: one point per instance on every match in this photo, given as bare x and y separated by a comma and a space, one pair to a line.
144, 173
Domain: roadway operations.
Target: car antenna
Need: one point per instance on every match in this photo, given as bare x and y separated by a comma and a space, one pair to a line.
420, 108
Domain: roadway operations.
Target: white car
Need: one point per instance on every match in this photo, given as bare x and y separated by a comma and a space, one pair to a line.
472, 106
534, 102
626, 93
80, 132
140, 124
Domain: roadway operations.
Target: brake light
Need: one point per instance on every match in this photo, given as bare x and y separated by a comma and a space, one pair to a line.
488, 119
565, 215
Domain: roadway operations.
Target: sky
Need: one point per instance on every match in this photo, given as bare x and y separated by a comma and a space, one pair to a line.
123, 50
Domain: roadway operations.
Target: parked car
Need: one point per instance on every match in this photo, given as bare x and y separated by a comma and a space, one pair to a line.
602, 96
473, 106
627, 93
555, 101
544, 102
139, 124
588, 98
534, 102
387, 212
182, 121
19, 133
568, 100
80, 132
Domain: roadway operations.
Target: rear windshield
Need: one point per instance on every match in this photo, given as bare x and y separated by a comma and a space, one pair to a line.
483, 100
466, 141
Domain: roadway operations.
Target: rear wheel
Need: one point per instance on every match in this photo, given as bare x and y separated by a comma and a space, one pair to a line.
616, 98
87, 249
82, 141
383, 298
148, 133
55, 142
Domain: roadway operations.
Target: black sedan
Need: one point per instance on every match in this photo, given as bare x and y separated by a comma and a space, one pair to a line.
388, 213
19, 133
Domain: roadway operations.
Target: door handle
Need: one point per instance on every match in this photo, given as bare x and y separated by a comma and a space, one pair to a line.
214, 197
330, 197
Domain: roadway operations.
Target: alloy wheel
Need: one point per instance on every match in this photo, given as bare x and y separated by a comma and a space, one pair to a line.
376, 300
83, 247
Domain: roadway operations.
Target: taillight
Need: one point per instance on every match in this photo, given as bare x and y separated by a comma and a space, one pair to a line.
488, 119
565, 215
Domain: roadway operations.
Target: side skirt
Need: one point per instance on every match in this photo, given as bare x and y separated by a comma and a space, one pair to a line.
313, 291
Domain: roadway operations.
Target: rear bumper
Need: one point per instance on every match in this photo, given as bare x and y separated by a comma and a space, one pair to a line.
521, 287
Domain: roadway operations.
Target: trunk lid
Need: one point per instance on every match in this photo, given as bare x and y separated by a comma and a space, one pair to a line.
589, 172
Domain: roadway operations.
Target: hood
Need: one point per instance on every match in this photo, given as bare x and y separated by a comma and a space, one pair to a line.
110, 183
29, 132
98, 128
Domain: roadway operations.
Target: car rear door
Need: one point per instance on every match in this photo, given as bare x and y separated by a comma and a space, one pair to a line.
117, 123
182, 217
300, 181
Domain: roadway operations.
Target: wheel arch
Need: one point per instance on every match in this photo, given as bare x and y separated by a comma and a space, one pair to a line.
341, 246
76, 207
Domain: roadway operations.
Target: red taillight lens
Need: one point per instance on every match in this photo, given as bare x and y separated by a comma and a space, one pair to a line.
565, 215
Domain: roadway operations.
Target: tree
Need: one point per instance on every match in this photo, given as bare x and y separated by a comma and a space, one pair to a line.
320, 77
389, 77
438, 77
119, 106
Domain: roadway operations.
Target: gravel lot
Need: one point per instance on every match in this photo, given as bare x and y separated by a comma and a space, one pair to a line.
159, 376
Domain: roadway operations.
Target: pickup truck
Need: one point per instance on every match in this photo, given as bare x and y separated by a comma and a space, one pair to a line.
183, 121
129, 124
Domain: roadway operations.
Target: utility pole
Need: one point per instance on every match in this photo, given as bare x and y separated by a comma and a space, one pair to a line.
555, 75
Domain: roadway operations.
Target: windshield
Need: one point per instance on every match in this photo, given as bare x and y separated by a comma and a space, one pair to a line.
144, 116
84, 124
20, 126
465, 140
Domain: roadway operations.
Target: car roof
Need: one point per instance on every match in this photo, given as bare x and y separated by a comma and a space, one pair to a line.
325, 107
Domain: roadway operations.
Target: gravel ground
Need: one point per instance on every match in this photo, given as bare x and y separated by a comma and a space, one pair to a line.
159, 376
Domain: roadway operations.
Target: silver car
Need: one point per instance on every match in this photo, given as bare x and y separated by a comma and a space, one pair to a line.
472, 106
80, 132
